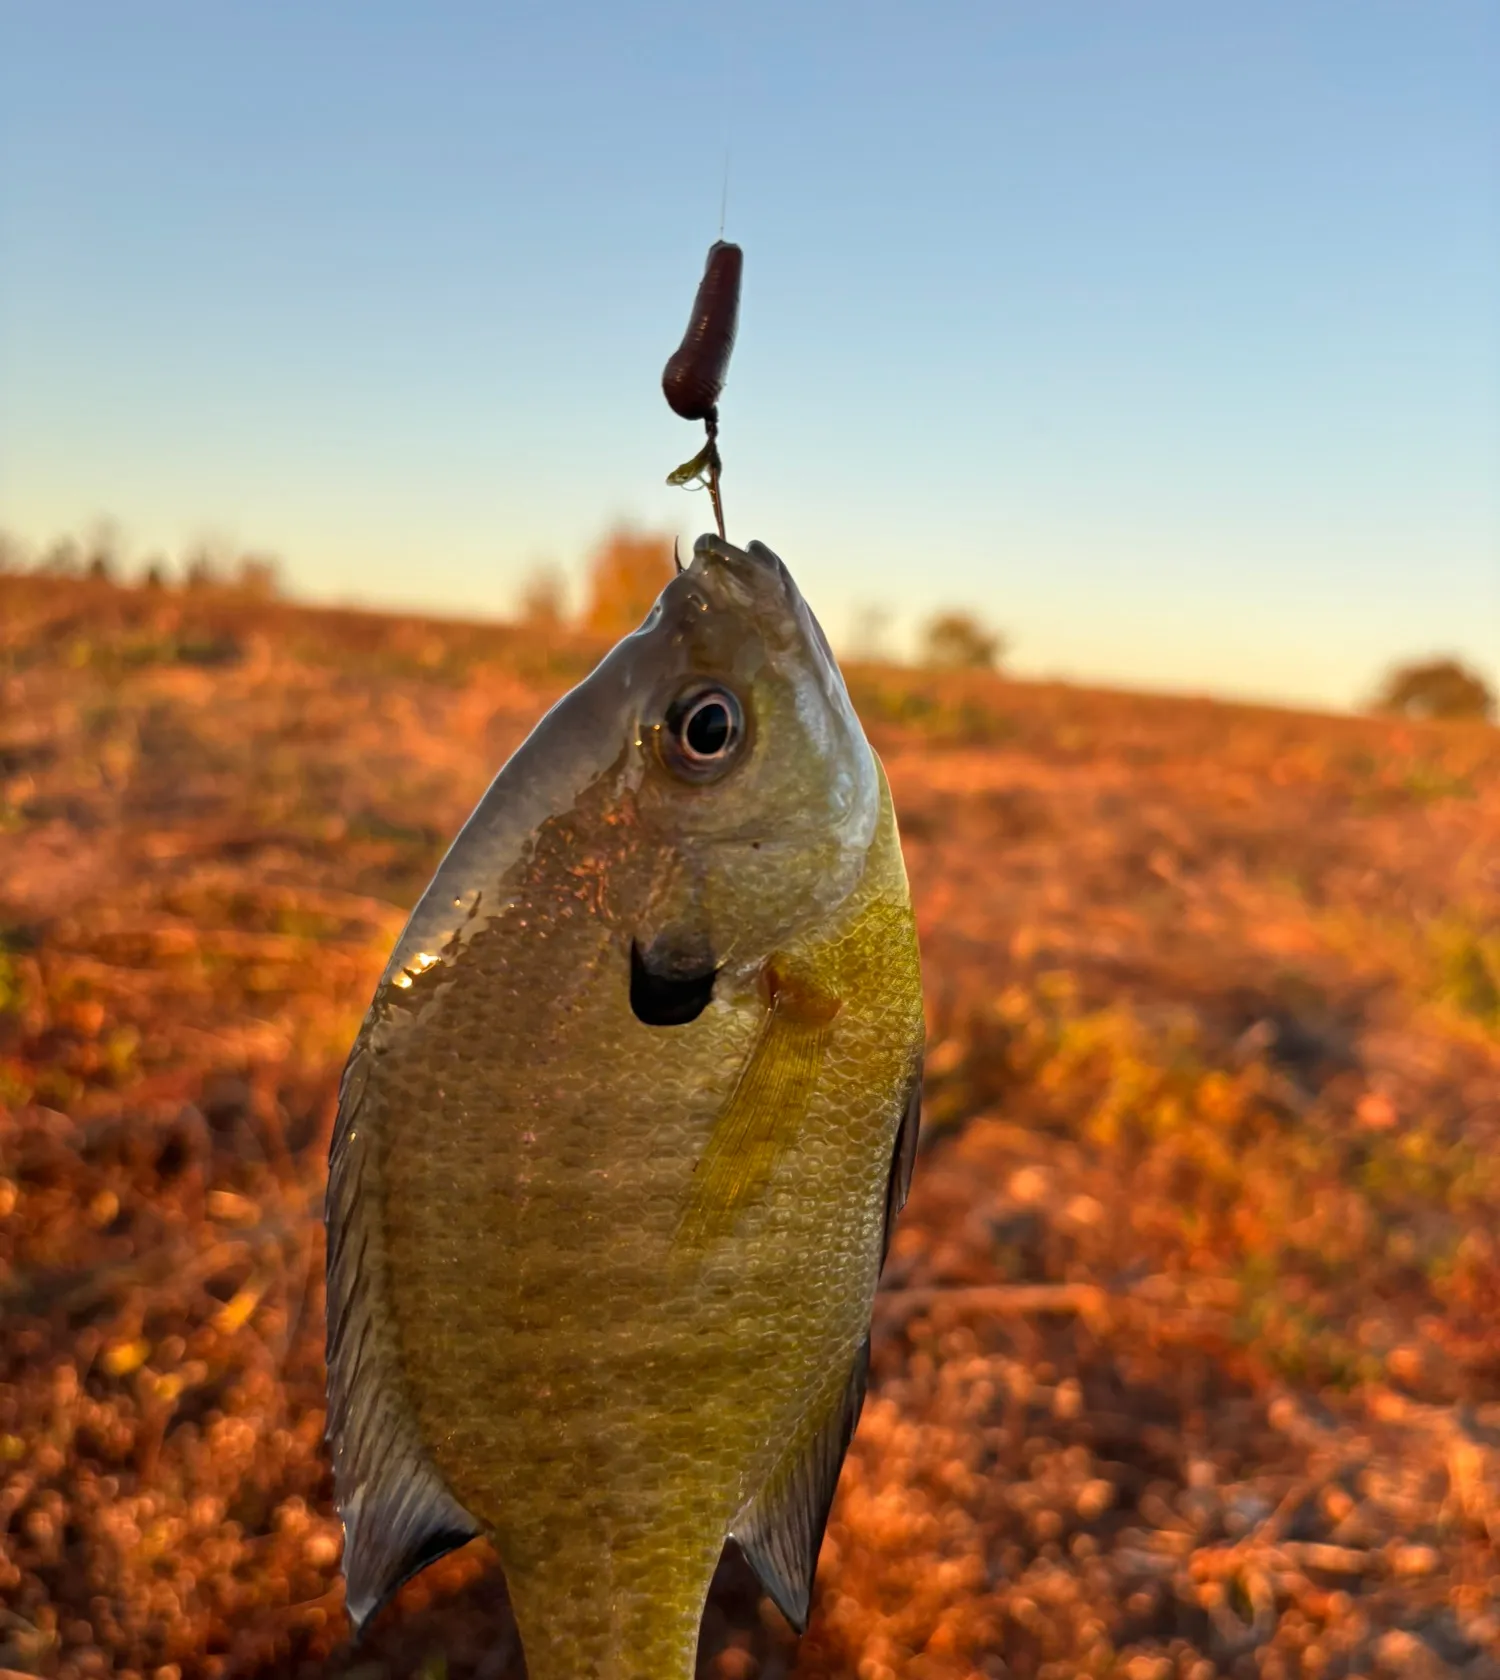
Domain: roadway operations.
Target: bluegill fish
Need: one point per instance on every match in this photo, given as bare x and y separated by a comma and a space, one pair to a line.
621, 1140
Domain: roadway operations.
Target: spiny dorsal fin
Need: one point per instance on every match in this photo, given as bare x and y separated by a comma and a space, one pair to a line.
398, 1514
780, 1531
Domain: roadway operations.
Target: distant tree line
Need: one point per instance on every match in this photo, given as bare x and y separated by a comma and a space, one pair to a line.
624, 575
101, 555
630, 568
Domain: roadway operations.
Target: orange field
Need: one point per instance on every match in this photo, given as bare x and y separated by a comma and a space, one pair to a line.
1188, 1356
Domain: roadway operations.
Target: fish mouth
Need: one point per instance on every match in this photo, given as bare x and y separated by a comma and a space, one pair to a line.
749, 574
758, 580
752, 567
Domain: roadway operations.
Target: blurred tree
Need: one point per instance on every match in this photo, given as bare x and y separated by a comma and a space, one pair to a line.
544, 599
626, 574
61, 559
154, 574
102, 550
958, 641
201, 569
1436, 688
259, 575
868, 635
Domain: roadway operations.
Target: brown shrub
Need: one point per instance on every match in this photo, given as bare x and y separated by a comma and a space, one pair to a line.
544, 599
958, 641
626, 574
1436, 688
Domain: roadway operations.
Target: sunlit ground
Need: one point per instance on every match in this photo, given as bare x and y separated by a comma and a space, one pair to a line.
1189, 1357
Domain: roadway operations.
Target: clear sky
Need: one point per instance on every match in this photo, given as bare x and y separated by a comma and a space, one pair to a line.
1164, 335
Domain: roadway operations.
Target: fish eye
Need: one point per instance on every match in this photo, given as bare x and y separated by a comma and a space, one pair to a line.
702, 732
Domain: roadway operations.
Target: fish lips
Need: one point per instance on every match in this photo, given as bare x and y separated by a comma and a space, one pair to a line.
745, 572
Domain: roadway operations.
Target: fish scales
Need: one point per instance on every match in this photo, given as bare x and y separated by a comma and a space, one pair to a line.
598, 1363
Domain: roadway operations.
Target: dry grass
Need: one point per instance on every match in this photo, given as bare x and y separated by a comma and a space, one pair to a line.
1188, 1361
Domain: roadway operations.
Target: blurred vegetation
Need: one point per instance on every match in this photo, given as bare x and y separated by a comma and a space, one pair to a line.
100, 557
1436, 688
960, 641
544, 600
868, 641
951, 711
1188, 1350
626, 573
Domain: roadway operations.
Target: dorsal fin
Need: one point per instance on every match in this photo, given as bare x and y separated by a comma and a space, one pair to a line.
780, 1530
398, 1514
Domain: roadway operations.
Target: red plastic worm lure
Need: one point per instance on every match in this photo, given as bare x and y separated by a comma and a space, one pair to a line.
694, 375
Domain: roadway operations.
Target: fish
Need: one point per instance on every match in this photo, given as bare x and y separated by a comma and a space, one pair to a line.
621, 1141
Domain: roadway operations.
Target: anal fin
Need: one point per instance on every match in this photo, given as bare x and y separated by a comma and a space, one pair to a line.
780, 1530
393, 1528
903, 1158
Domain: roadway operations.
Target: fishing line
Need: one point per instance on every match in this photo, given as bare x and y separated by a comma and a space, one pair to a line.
724, 195
694, 375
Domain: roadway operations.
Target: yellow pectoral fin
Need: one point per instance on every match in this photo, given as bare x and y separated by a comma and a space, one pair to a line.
764, 1113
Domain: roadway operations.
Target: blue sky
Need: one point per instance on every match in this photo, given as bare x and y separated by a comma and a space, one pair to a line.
1166, 336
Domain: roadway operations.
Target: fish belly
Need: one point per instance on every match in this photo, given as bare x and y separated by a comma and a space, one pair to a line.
602, 1403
